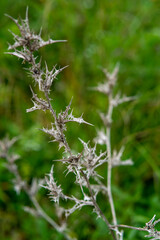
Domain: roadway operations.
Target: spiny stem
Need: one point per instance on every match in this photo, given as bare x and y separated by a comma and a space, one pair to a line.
97, 207
50, 106
56, 122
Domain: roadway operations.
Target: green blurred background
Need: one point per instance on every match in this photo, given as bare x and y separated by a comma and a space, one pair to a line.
100, 33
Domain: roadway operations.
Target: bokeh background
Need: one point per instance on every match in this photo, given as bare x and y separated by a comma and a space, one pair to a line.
100, 33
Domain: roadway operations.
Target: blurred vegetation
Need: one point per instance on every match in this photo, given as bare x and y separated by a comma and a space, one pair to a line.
99, 34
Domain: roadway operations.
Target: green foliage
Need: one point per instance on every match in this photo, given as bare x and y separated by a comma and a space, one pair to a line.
99, 34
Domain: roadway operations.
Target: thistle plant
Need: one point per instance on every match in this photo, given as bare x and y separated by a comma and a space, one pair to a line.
82, 164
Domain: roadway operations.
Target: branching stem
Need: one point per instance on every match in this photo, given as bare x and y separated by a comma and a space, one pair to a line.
44, 215
130, 227
97, 207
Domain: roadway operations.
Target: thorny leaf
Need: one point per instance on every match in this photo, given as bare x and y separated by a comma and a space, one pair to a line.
80, 120
91, 160
150, 227
118, 99
44, 78
111, 79
55, 191
65, 117
28, 38
17, 54
106, 119
5, 146
103, 88
78, 205
49, 76
96, 188
7, 143
71, 160
101, 137
117, 161
39, 104
56, 134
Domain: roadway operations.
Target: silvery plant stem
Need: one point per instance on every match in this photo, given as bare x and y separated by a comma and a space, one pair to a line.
109, 169
48, 219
